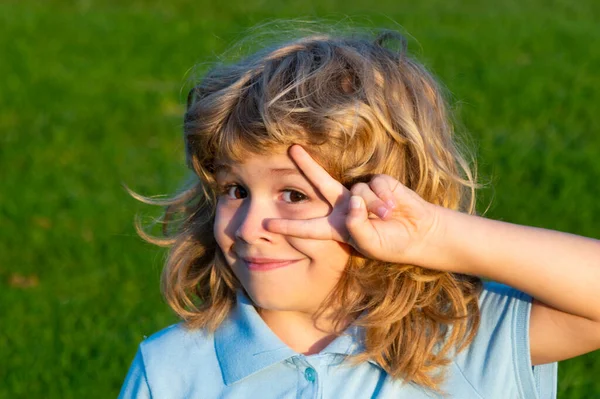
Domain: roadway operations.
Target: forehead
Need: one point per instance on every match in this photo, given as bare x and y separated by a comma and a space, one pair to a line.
277, 164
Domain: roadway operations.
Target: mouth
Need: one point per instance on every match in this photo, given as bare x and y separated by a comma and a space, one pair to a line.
264, 264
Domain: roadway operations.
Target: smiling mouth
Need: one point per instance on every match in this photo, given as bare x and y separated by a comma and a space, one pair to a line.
268, 265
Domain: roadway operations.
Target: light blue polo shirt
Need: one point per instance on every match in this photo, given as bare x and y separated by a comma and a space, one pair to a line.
245, 359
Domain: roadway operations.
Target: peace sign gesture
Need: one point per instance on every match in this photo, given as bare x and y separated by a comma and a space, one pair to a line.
383, 219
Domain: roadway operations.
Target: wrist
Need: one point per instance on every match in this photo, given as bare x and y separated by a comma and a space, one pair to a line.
431, 229
438, 246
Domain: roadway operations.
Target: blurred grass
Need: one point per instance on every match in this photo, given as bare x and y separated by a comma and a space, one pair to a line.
90, 98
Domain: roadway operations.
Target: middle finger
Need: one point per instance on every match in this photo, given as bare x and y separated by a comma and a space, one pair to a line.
372, 201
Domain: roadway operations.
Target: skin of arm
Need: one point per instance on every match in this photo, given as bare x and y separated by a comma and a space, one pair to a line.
560, 271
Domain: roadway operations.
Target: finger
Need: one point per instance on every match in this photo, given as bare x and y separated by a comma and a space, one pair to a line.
382, 186
331, 189
359, 226
394, 185
316, 229
373, 203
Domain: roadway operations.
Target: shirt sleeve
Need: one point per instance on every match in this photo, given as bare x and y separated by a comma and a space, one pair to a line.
497, 364
136, 383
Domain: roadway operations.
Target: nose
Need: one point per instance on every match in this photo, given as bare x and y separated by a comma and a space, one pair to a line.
250, 222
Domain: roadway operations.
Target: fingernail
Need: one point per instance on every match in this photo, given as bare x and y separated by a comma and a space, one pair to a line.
354, 202
382, 211
391, 204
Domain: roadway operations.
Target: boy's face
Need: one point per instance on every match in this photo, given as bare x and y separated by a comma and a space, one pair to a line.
265, 187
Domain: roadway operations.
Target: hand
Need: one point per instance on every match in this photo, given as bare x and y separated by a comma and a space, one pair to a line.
383, 219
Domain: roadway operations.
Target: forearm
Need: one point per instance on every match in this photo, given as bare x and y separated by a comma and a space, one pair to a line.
559, 269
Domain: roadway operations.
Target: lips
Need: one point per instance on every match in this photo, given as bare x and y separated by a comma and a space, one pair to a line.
264, 264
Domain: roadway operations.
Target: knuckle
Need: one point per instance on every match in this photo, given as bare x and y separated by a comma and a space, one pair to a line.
377, 181
383, 183
380, 189
359, 188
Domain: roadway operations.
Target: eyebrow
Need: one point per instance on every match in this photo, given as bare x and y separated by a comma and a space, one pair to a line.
275, 171
285, 171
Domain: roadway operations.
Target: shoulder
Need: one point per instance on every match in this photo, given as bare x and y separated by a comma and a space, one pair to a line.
176, 343
178, 351
176, 335
502, 306
174, 362
498, 360
493, 293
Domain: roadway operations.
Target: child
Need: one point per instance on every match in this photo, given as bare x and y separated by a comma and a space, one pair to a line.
329, 246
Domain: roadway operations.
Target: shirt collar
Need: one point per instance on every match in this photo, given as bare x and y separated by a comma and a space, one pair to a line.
244, 343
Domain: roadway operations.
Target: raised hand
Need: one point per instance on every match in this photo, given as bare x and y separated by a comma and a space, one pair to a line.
381, 219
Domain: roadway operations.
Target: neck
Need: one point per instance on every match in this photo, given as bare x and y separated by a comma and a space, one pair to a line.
301, 331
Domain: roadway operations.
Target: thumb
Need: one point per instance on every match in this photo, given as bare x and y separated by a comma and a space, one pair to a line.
358, 224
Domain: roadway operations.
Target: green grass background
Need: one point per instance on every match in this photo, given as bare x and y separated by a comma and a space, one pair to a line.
91, 97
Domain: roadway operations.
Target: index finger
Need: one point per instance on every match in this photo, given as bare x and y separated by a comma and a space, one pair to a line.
331, 189
316, 229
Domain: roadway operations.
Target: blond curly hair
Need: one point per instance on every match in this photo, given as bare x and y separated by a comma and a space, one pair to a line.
360, 108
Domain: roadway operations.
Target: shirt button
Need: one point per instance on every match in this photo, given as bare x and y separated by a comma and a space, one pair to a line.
310, 374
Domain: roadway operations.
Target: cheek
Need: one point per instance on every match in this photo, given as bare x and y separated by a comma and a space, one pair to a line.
222, 220
327, 254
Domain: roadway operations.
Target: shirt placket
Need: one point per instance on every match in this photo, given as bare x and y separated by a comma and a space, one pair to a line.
309, 381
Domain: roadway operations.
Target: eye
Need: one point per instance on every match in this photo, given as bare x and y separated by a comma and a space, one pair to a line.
234, 191
293, 196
